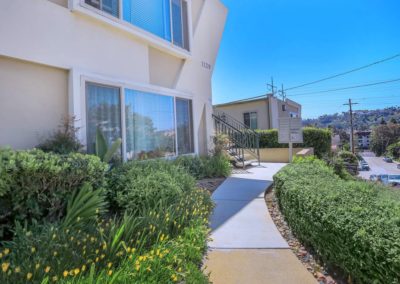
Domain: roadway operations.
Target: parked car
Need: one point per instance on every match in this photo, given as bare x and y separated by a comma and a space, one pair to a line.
388, 160
394, 180
365, 167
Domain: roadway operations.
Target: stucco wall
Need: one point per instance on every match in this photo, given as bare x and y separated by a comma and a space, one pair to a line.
91, 45
281, 155
237, 110
33, 100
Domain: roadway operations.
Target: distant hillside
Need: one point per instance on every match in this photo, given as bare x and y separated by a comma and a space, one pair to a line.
363, 119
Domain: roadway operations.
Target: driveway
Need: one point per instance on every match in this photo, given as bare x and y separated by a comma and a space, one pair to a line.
378, 166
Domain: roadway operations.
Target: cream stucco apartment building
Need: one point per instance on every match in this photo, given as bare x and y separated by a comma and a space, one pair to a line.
260, 112
138, 69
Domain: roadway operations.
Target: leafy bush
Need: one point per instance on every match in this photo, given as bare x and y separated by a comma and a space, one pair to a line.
137, 185
38, 184
394, 150
354, 225
205, 167
64, 140
169, 239
317, 138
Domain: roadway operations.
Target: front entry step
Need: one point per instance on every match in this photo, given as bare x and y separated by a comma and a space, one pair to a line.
245, 164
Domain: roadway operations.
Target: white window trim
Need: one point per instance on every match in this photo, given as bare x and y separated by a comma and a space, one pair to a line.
80, 7
77, 102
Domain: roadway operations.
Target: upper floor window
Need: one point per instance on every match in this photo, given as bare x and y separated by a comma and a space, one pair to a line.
167, 19
108, 6
250, 119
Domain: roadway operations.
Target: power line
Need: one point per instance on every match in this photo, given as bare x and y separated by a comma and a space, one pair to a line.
345, 73
350, 87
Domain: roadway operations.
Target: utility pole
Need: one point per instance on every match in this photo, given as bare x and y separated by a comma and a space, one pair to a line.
350, 104
272, 87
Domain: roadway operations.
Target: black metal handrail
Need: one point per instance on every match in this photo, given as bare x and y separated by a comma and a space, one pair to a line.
241, 138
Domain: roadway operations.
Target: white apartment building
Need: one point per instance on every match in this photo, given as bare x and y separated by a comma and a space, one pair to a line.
138, 69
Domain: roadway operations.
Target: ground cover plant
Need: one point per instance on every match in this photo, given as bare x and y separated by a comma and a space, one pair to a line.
351, 224
140, 222
205, 167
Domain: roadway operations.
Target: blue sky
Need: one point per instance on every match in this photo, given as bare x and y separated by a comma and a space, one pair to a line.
301, 41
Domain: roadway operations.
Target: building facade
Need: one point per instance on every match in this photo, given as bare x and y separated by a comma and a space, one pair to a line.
138, 70
363, 139
260, 113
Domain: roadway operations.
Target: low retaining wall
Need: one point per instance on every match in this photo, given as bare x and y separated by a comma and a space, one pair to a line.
281, 155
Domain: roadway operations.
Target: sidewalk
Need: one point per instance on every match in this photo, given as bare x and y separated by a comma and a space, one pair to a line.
246, 246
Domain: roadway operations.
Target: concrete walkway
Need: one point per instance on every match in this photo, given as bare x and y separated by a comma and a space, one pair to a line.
246, 247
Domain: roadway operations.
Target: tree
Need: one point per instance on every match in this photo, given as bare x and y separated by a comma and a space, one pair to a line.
393, 120
384, 135
383, 121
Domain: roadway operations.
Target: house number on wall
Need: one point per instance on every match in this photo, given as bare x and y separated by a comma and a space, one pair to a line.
206, 65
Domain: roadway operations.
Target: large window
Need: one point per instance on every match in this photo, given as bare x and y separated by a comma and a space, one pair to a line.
150, 125
104, 112
155, 125
184, 126
250, 119
167, 19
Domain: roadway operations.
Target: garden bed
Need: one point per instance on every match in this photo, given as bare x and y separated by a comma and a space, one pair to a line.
71, 219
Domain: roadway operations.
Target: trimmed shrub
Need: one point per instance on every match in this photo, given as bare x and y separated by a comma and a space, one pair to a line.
35, 185
317, 138
354, 225
137, 185
205, 167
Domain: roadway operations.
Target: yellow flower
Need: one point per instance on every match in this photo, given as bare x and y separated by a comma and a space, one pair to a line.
4, 266
54, 236
104, 246
83, 268
72, 238
29, 276
33, 249
179, 269
47, 269
137, 267
55, 253
6, 251
110, 272
97, 251
54, 278
37, 265
65, 273
17, 269
174, 278
102, 256
97, 259
109, 264
76, 271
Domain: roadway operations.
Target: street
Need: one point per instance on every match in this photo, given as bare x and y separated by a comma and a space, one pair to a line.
378, 166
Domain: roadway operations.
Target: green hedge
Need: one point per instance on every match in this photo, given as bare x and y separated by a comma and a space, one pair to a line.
35, 185
317, 138
354, 225
393, 150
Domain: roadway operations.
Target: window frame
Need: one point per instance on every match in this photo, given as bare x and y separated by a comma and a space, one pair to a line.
119, 22
139, 87
249, 113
